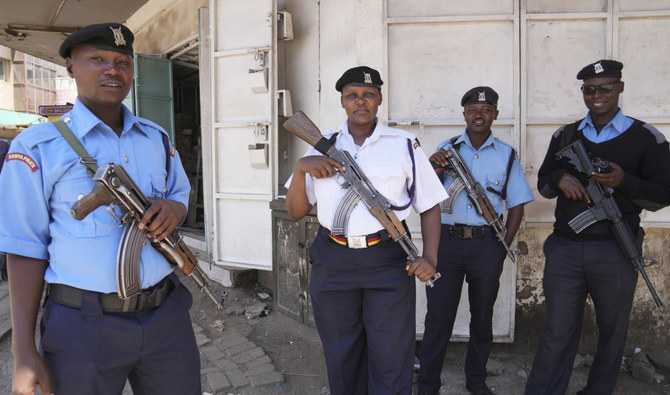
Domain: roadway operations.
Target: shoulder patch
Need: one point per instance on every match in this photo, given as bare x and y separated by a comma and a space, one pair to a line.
172, 151
417, 144
22, 158
660, 138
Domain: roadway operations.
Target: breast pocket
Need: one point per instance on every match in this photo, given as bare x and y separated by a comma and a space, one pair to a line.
495, 184
158, 187
67, 191
389, 179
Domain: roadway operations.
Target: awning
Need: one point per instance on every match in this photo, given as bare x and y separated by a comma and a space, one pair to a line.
38, 27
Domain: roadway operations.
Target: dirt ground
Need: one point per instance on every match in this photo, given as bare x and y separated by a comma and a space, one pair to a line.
296, 352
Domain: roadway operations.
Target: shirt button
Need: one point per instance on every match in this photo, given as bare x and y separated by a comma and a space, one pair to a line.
469, 206
476, 156
497, 182
80, 196
125, 159
66, 119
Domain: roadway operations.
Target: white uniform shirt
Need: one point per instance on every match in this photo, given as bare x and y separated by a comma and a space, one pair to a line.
385, 159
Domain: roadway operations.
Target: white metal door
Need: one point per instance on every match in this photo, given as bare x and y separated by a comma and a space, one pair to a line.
243, 88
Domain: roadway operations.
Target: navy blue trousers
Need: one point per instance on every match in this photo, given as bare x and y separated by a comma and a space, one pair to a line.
572, 271
479, 262
364, 307
88, 352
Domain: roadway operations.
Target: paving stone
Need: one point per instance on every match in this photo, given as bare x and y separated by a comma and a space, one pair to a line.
240, 348
262, 360
218, 381
256, 370
229, 341
237, 378
201, 339
266, 378
249, 355
210, 352
226, 364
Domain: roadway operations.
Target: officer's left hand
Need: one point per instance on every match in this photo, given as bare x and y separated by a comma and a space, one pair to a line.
422, 268
611, 179
162, 217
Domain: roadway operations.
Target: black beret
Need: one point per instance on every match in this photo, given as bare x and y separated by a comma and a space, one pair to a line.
480, 95
109, 36
360, 76
601, 68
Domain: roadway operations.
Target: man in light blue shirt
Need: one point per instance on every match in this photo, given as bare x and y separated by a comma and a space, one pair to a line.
92, 341
469, 248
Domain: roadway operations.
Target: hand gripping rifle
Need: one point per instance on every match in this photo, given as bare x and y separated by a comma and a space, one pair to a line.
604, 207
463, 179
300, 125
114, 186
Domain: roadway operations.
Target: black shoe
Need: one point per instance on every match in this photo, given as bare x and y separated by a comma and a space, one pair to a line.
478, 388
429, 393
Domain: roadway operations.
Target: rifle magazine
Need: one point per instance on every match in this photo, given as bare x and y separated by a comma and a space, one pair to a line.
343, 212
128, 280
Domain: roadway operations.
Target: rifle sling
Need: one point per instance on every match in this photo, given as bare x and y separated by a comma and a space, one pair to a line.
87, 160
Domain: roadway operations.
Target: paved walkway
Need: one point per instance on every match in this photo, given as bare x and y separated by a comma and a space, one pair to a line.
230, 362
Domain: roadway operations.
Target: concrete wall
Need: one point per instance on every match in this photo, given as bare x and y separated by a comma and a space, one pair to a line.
649, 325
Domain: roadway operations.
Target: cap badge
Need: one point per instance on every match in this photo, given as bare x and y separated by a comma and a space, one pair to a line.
118, 36
482, 96
367, 78
598, 68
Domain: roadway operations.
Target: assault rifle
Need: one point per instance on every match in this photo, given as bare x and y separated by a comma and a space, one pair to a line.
359, 186
463, 179
114, 186
603, 206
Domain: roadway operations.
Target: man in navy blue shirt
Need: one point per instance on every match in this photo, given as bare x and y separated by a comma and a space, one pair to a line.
591, 262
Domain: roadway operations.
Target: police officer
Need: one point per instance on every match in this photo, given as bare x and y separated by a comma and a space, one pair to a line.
591, 262
363, 299
468, 247
91, 340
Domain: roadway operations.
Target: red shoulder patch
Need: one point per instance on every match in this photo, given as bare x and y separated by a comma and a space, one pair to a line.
23, 158
172, 151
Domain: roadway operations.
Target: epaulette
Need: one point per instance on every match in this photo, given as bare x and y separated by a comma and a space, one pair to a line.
38, 134
660, 138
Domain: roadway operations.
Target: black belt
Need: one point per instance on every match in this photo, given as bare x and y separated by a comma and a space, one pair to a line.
466, 232
111, 303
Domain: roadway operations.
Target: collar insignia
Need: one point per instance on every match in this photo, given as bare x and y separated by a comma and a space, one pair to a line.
367, 78
118, 36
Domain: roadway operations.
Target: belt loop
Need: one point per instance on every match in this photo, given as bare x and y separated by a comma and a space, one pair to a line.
91, 309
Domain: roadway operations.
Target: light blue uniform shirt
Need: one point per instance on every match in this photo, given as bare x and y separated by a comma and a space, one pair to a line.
619, 124
488, 166
42, 178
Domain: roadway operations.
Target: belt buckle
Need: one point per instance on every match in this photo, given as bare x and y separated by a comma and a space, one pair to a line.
467, 232
357, 242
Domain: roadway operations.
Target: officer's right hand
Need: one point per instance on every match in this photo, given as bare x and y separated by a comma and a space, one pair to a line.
572, 188
318, 166
440, 158
29, 372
